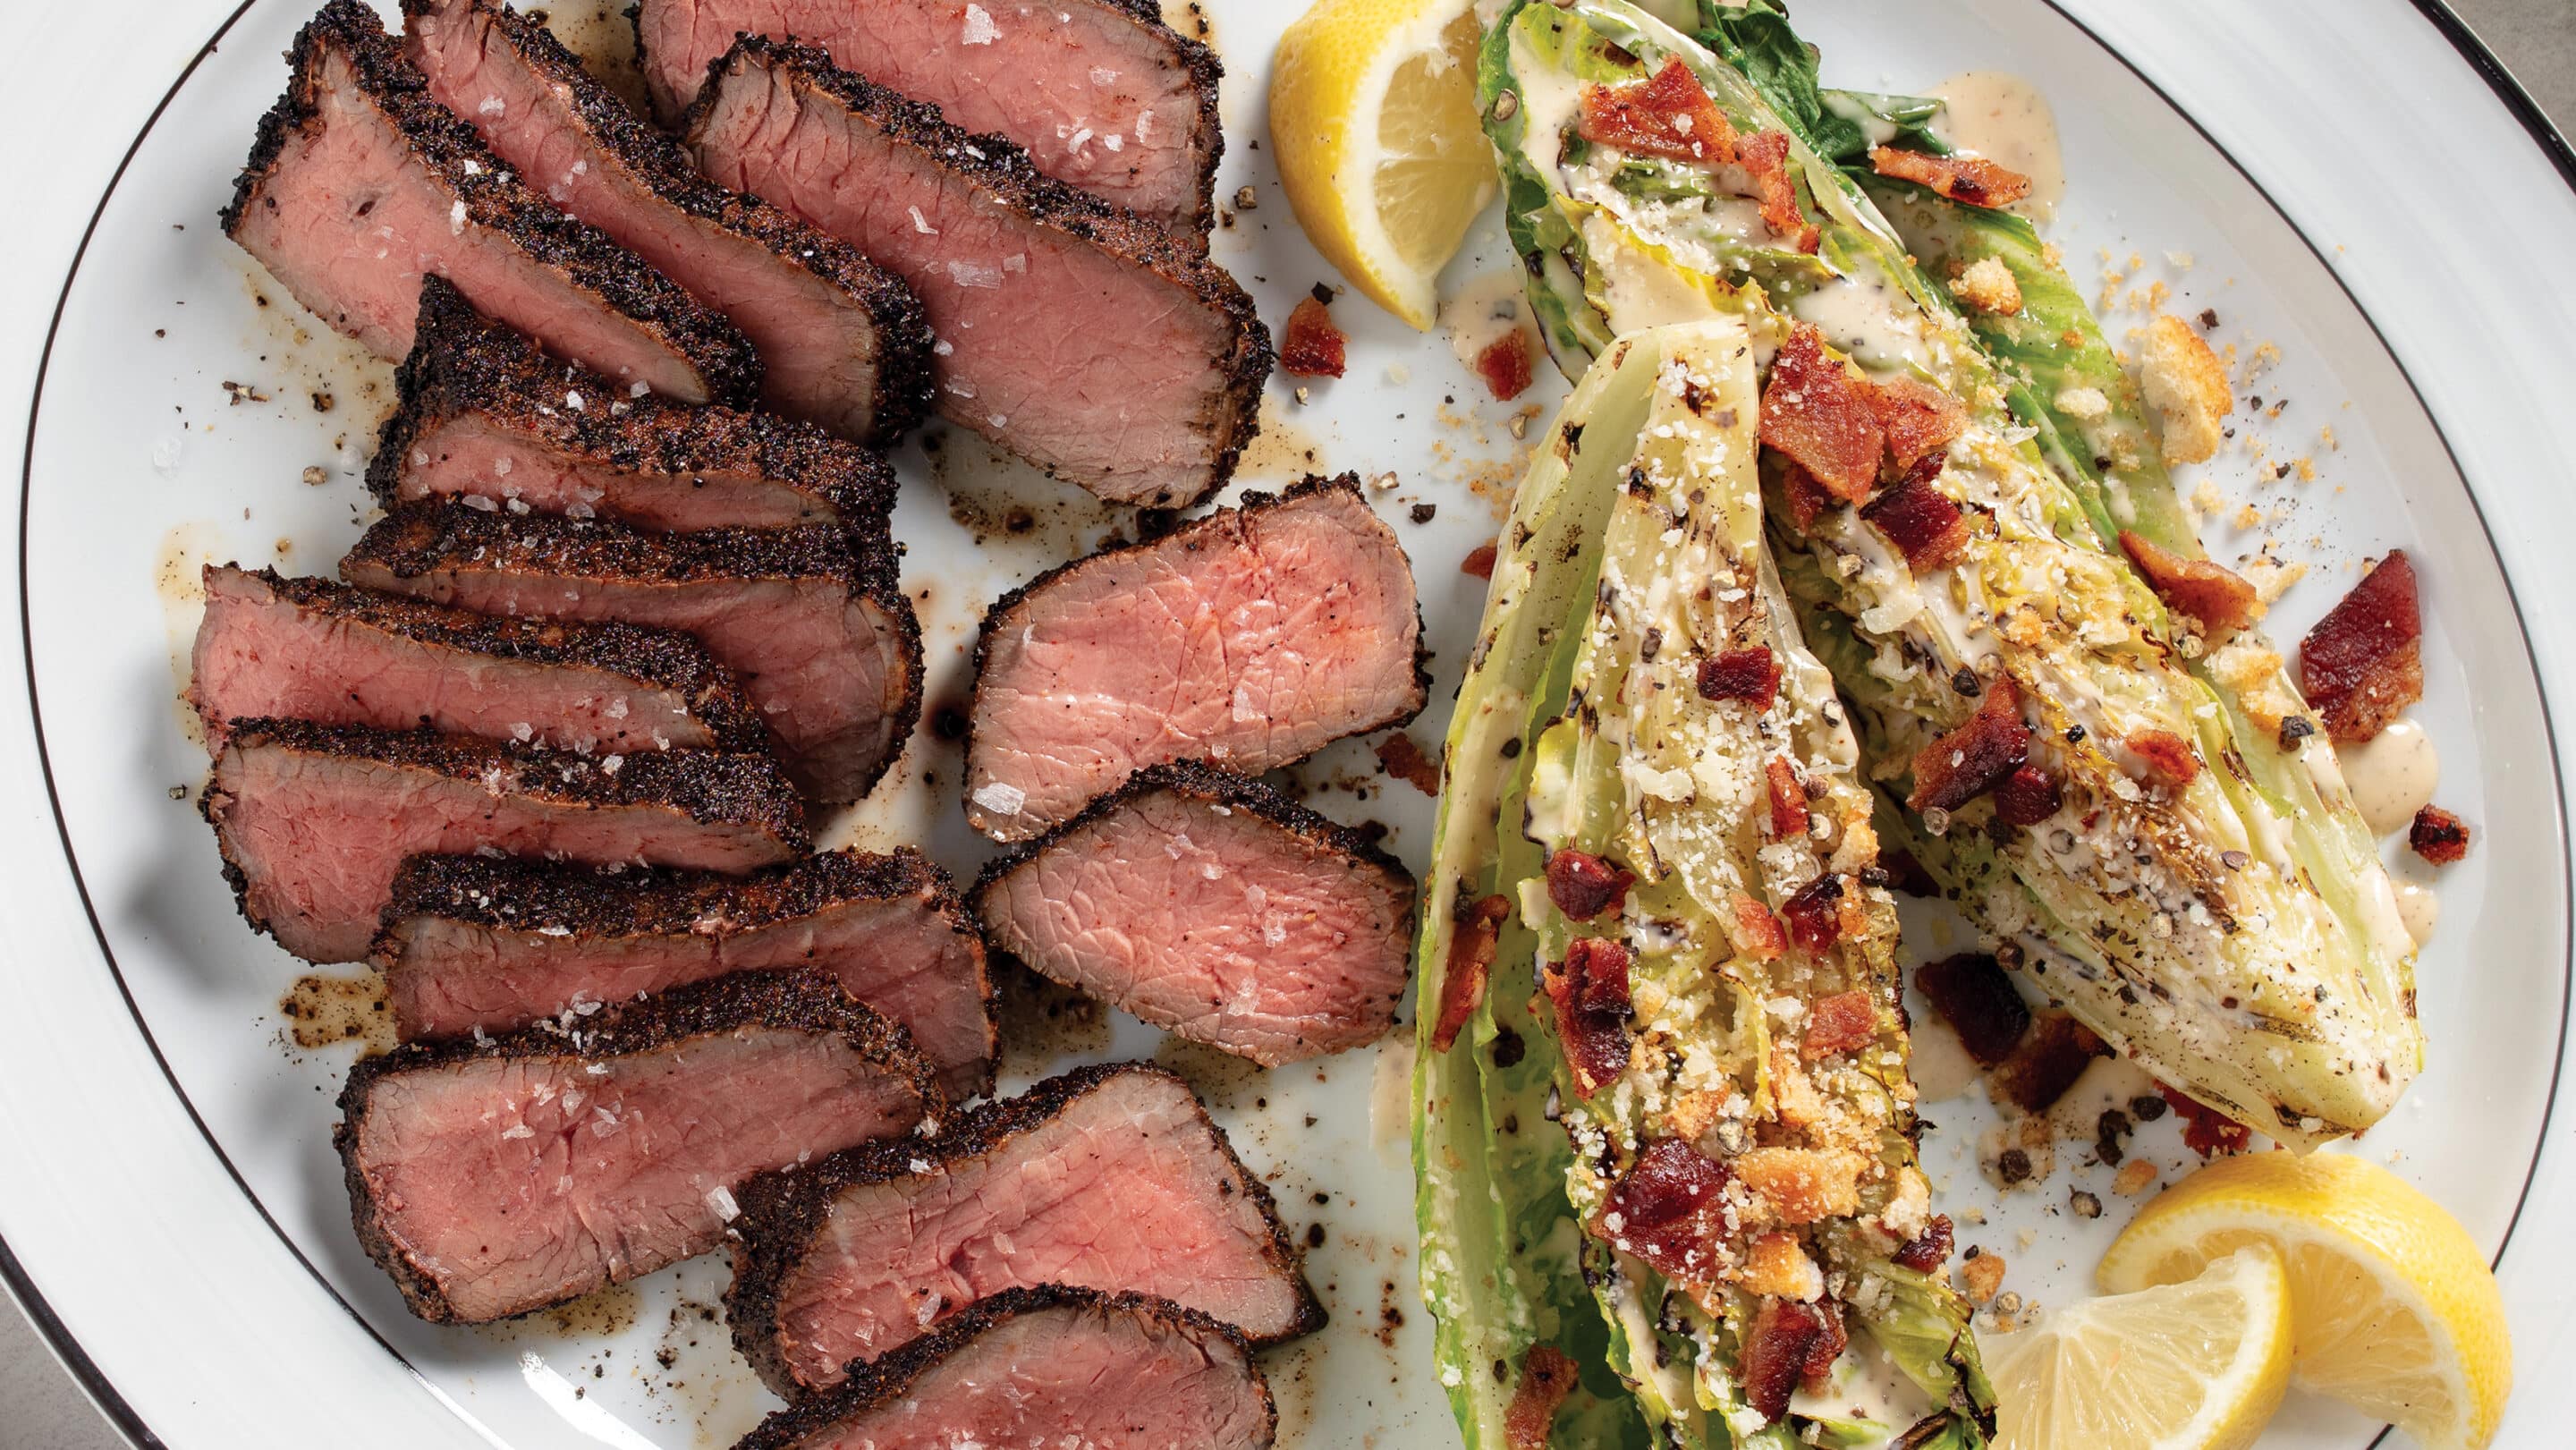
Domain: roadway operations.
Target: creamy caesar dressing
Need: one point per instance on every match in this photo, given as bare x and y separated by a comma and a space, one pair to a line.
2392, 775
2005, 119
2109, 1084
1941, 1066
2420, 907
1486, 310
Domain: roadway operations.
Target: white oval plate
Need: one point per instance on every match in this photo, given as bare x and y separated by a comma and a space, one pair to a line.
2346, 184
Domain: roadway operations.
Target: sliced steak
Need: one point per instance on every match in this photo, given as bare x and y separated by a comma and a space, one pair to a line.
811, 619
485, 415
312, 649
842, 344
1251, 638
495, 1177
360, 183
1082, 338
1214, 907
1108, 1178
1101, 93
1043, 1367
314, 819
472, 944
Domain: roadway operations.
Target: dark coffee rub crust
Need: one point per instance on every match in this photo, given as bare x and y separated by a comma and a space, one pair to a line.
1003, 170
1253, 503
660, 657
511, 894
712, 787
462, 362
804, 1001
1195, 57
904, 387
493, 195
781, 1212
1202, 782
873, 1384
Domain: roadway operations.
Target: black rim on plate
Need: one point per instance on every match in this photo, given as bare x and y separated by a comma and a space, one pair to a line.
85, 1371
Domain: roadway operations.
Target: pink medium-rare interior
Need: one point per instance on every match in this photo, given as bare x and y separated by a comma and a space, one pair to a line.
350, 220
1067, 355
817, 342
476, 456
515, 1183
1120, 1191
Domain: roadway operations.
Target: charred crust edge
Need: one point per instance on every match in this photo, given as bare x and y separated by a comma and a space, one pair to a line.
874, 1384
782, 1211
1003, 169
809, 1001
904, 387
492, 195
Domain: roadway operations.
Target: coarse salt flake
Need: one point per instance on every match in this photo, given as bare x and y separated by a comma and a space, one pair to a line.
1001, 797
980, 29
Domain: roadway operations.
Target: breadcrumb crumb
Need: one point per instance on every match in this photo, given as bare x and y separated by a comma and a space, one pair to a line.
1989, 286
2186, 387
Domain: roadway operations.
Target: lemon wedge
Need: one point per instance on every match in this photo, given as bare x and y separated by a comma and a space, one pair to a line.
1373, 121
2394, 1308
2196, 1365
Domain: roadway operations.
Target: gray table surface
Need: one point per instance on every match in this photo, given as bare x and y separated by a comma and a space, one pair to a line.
41, 1408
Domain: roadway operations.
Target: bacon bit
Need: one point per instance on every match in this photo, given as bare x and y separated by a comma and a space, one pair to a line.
2168, 757
1783, 1335
2364, 661
1960, 178
1504, 364
1973, 995
1839, 1023
2046, 1064
2027, 797
1669, 1209
1920, 520
1757, 931
2205, 1130
1928, 1251
2210, 594
1820, 1359
1788, 800
1547, 1377
1471, 955
1975, 758
1807, 498
1917, 417
1401, 758
1906, 875
1668, 115
2438, 836
1480, 560
1312, 347
1814, 924
1765, 155
1817, 412
1751, 675
1590, 992
1583, 886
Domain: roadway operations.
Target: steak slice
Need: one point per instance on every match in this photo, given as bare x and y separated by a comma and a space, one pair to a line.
496, 1177
314, 820
1101, 93
472, 944
312, 649
1251, 638
485, 415
842, 344
1082, 338
360, 183
1216, 908
1109, 1177
811, 619
1046, 1366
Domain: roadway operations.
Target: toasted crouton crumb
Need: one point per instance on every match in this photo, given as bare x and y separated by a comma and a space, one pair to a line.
1984, 1273
2087, 404
2186, 387
2136, 1177
1777, 1266
1989, 286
